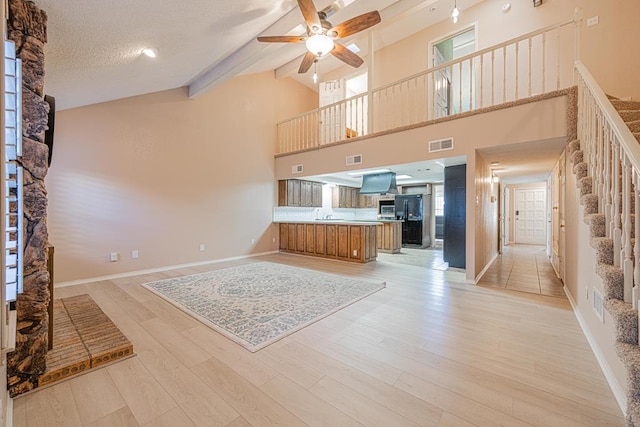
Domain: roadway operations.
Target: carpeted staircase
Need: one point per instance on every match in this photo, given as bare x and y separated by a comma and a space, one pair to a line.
626, 318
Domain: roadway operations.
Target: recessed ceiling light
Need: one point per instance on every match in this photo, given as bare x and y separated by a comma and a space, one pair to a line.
150, 52
433, 9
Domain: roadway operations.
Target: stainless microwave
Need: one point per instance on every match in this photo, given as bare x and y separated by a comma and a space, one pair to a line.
388, 210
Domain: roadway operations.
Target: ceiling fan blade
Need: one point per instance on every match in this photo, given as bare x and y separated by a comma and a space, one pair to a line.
345, 55
355, 25
310, 14
282, 39
307, 62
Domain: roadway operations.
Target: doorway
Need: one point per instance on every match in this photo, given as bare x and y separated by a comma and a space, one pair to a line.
454, 87
530, 214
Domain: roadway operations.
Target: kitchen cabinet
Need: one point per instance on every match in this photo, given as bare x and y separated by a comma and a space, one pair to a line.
300, 238
299, 193
310, 239
389, 237
353, 242
368, 201
345, 197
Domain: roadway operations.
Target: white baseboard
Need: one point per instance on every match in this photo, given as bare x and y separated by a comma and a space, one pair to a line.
616, 388
156, 270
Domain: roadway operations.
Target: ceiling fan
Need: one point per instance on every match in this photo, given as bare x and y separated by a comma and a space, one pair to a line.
322, 35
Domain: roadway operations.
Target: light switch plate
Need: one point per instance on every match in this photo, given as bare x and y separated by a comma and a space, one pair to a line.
592, 21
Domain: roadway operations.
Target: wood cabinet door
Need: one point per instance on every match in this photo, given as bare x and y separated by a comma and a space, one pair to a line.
284, 236
343, 241
300, 237
305, 193
316, 195
355, 242
310, 237
331, 233
291, 237
344, 199
370, 248
293, 192
354, 194
320, 239
282, 192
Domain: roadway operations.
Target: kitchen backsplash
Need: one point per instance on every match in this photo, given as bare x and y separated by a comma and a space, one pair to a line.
285, 213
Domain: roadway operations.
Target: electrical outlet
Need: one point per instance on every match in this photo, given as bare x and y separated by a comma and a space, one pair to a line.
593, 21
273, 240
202, 247
355, 252
134, 254
253, 241
113, 256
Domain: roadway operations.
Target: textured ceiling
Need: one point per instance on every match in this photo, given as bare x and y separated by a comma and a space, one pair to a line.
94, 49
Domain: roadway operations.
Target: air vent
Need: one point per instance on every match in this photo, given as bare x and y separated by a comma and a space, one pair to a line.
598, 305
356, 159
441, 145
296, 169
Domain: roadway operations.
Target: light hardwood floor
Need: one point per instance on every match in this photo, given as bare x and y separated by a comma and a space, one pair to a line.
427, 350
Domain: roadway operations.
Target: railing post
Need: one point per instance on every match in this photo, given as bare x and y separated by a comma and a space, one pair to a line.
636, 249
625, 253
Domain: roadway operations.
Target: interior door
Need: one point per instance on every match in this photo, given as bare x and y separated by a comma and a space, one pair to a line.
530, 215
332, 122
442, 86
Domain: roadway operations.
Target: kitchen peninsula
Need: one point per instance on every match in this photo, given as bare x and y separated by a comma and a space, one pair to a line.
353, 241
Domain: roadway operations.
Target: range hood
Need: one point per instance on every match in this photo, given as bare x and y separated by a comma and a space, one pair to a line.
379, 183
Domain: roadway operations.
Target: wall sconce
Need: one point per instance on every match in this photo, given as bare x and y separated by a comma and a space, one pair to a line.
537, 3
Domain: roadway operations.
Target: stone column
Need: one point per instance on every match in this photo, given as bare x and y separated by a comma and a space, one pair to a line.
27, 27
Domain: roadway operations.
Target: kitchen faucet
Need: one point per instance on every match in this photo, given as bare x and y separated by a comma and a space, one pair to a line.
329, 216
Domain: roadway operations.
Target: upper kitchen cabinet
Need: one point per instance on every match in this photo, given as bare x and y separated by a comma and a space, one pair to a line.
369, 201
345, 197
299, 193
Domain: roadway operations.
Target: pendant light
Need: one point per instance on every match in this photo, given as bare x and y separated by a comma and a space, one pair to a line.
315, 71
455, 13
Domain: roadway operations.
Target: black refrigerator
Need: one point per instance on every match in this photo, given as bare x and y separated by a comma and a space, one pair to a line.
413, 210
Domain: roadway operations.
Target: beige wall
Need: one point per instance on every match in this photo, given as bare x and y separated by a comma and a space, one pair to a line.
605, 47
162, 174
580, 278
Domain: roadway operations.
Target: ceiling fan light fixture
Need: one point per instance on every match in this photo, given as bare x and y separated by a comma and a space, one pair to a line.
319, 44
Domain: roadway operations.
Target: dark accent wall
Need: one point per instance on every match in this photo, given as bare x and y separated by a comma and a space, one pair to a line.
27, 27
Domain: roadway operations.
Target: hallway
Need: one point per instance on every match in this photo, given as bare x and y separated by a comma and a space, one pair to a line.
524, 268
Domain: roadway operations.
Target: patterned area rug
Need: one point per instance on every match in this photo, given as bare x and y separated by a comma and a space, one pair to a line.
260, 303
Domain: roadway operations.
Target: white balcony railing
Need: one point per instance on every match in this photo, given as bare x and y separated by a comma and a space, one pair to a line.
535, 63
613, 155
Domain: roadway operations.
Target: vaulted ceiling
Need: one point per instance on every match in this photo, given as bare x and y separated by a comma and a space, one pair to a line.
94, 52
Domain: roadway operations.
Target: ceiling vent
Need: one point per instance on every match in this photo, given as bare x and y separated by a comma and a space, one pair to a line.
356, 159
296, 169
441, 145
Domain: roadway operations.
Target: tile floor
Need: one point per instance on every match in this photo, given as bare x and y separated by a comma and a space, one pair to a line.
523, 268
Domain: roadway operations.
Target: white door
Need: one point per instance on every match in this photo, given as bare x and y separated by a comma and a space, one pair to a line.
531, 215
332, 126
442, 86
